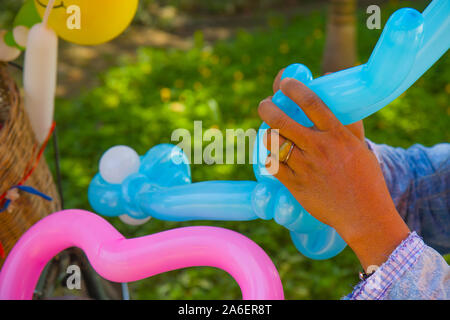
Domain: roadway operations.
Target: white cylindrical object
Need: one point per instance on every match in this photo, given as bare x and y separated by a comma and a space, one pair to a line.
39, 78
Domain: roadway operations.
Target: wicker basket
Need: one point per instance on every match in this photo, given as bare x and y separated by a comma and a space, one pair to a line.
17, 150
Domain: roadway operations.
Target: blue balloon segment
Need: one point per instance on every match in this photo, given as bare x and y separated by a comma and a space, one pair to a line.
132, 187
166, 165
260, 154
300, 72
436, 42
320, 245
356, 93
291, 215
411, 43
105, 198
163, 166
211, 200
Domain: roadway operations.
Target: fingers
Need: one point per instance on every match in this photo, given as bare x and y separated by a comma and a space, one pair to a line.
287, 127
277, 81
273, 142
357, 129
311, 104
280, 171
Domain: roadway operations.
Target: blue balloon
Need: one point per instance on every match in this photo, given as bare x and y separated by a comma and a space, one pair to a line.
163, 166
410, 43
166, 159
105, 198
319, 245
210, 200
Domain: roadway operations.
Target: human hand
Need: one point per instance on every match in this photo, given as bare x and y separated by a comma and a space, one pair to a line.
334, 176
356, 128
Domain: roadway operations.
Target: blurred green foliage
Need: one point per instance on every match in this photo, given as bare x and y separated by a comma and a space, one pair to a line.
151, 11
8, 10
142, 100
224, 7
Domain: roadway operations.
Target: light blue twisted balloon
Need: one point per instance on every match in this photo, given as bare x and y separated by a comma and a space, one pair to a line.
410, 44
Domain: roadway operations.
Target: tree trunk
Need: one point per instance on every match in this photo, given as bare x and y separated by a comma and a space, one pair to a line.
340, 46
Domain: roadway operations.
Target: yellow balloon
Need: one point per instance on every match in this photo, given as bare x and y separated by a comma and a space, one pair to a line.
89, 22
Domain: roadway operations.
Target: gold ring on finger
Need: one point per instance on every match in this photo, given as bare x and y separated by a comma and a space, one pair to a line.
285, 151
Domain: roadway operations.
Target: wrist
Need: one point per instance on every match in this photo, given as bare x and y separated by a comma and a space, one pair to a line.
373, 240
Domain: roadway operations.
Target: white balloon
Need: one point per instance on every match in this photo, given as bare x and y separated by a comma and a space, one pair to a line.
7, 53
20, 34
132, 221
117, 163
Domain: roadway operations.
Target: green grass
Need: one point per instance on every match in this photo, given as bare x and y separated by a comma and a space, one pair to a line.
141, 101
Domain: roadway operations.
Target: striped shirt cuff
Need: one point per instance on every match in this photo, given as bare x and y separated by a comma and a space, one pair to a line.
401, 260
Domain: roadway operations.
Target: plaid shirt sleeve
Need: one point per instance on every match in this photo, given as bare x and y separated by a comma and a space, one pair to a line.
412, 271
418, 179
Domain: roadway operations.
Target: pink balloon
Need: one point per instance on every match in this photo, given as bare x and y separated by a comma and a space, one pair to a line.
124, 260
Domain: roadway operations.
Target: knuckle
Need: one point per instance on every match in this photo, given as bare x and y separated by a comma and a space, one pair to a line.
311, 101
339, 133
322, 150
284, 85
284, 123
337, 128
290, 85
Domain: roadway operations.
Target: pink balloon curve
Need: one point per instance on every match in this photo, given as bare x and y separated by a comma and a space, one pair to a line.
124, 260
